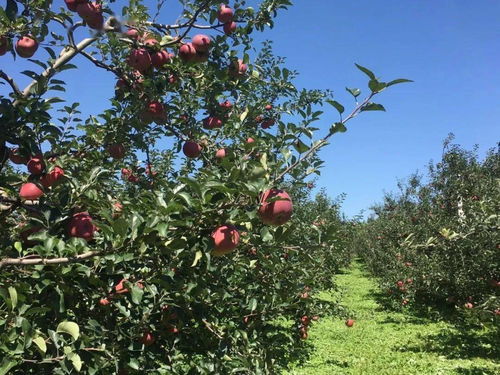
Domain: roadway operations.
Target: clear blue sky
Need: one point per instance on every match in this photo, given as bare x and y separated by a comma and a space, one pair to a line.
450, 48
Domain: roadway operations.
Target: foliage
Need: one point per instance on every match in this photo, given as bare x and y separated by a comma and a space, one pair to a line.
437, 243
112, 268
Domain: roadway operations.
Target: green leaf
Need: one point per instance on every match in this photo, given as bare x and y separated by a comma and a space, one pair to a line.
40, 342
337, 105
6, 365
338, 127
253, 304
266, 235
376, 86
399, 80
76, 361
368, 72
373, 107
13, 297
70, 328
300, 146
136, 293
354, 92
244, 115
197, 258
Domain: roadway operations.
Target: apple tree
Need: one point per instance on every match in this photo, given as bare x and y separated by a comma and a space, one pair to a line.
148, 238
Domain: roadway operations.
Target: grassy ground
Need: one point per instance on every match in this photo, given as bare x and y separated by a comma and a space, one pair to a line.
391, 343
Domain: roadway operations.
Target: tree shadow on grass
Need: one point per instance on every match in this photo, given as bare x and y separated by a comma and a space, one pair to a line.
475, 371
461, 343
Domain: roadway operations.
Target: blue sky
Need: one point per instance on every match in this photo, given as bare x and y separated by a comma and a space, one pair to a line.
450, 48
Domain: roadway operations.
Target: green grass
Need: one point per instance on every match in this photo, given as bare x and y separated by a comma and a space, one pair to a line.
385, 342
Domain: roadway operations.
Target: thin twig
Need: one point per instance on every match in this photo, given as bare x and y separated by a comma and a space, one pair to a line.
322, 142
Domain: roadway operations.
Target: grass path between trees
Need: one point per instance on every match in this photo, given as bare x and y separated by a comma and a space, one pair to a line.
385, 342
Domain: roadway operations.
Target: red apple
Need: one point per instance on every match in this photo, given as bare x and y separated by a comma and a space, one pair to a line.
268, 107
191, 149
267, 123
468, 305
132, 34
139, 59
225, 239
400, 283
187, 52
16, 157
116, 150
201, 42
52, 177
230, 27
148, 339
277, 212
26, 46
80, 225
91, 13
4, 45
250, 140
30, 191
225, 14
221, 154
160, 58
72, 4
126, 172
212, 122
155, 111
237, 68
120, 288
104, 302
226, 104
36, 165
349, 322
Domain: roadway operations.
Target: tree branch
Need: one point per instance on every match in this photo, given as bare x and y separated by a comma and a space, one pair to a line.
30, 261
322, 142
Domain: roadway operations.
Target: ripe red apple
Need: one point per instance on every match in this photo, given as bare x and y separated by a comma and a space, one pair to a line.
468, 305
104, 302
126, 172
116, 150
400, 283
237, 68
276, 212
191, 149
225, 239
267, 123
139, 59
72, 4
16, 157
155, 111
26, 46
268, 107
117, 210
133, 178
226, 104
53, 177
220, 154
230, 27
120, 287
225, 14
160, 58
250, 140
315, 318
36, 165
30, 191
80, 225
91, 13
349, 322
201, 42
305, 320
187, 52
147, 339
212, 122
132, 34
4, 45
